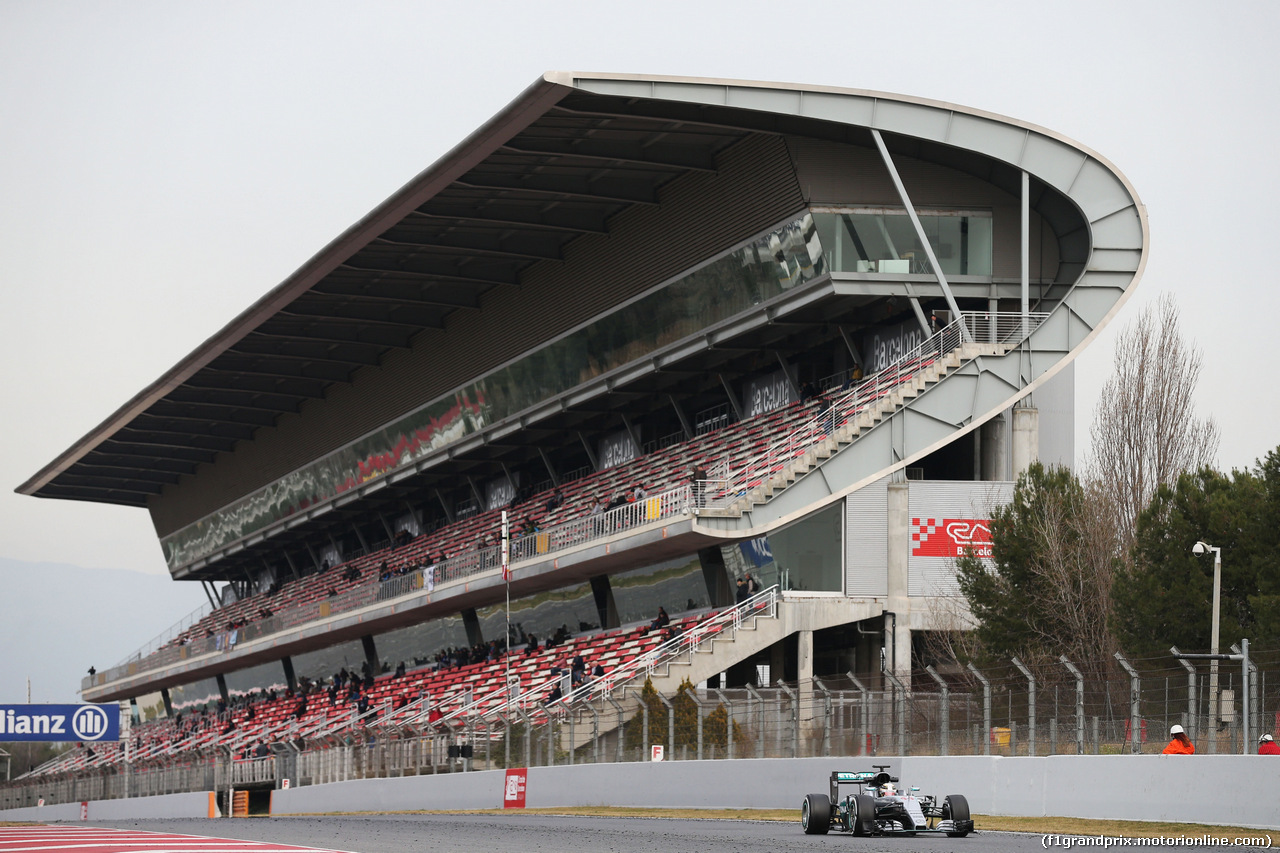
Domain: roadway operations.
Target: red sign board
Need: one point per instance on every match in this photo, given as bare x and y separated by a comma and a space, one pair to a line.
950, 537
513, 795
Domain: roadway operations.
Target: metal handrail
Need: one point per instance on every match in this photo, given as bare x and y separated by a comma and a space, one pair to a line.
665, 505
763, 603
982, 327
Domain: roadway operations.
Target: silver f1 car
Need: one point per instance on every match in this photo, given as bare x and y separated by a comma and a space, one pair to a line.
882, 809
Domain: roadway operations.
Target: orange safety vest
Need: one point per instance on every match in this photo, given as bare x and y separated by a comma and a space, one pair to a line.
1177, 747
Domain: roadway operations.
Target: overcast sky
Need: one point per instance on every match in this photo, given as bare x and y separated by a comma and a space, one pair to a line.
162, 165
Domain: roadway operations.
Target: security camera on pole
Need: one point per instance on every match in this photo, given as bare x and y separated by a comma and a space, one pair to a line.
1199, 549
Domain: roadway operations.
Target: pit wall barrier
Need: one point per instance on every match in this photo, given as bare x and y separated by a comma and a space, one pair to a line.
1114, 787
195, 804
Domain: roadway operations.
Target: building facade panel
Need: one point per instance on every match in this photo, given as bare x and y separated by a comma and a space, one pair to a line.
945, 518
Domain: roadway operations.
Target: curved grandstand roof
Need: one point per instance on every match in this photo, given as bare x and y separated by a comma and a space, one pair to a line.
567, 155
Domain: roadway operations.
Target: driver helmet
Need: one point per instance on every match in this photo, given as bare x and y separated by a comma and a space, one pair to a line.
1265, 739
888, 790
1176, 730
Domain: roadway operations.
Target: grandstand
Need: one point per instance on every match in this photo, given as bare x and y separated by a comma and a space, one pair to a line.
677, 331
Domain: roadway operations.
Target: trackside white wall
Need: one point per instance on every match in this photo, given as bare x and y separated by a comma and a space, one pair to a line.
1127, 787
164, 806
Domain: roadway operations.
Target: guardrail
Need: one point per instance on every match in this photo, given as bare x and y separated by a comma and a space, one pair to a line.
726, 486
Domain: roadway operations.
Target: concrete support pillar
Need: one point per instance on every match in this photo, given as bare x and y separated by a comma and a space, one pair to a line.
471, 622
992, 453
1026, 439
222, 688
804, 687
290, 679
898, 627
606, 607
168, 702
370, 653
719, 590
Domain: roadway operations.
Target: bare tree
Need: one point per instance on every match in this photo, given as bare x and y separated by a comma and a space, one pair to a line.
1145, 431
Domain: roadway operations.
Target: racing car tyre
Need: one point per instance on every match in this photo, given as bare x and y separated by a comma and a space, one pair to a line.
955, 808
815, 814
864, 817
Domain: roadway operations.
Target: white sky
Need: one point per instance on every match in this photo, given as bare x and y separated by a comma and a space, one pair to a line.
164, 164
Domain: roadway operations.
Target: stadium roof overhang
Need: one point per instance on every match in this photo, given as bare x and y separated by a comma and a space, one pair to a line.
559, 162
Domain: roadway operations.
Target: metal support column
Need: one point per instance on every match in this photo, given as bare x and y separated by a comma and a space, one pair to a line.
1135, 696
924, 239
1193, 711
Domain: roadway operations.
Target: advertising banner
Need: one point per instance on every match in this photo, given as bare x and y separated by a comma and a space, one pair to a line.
513, 796
88, 723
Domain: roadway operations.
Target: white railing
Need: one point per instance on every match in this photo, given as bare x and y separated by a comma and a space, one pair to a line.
727, 486
168, 634
762, 604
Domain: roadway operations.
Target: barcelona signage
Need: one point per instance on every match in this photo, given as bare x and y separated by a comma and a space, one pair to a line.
950, 537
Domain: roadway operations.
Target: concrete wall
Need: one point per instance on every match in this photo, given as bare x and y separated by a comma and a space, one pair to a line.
1125, 787
197, 804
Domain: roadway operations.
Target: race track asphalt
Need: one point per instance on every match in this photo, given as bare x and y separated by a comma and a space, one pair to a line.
540, 833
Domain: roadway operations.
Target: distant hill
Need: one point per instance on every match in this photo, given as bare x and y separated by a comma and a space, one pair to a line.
58, 620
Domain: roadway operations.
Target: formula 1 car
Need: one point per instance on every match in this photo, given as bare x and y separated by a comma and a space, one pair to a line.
882, 809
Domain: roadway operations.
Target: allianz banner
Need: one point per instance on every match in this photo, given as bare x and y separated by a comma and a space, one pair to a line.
59, 722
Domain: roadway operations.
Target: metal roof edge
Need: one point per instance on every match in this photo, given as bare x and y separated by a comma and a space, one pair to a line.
519, 113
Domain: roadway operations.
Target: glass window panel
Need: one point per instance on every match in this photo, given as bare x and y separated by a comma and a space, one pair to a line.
725, 286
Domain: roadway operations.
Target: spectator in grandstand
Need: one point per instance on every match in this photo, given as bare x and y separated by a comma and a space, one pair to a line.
1267, 746
753, 585
362, 704
352, 573
528, 527
555, 501
597, 671
807, 392
261, 751
400, 670
300, 710
555, 694
639, 493
402, 537
1181, 744
662, 620
699, 478
92, 672
384, 571
741, 594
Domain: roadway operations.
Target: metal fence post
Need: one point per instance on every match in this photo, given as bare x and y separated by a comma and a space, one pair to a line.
1248, 693
795, 719
1135, 694
728, 709
900, 707
826, 716
945, 716
1079, 702
864, 710
1192, 710
620, 735
759, 720
671, 726
1031, 706
986, 708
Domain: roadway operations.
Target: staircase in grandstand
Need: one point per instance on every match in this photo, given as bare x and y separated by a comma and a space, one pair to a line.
778, 462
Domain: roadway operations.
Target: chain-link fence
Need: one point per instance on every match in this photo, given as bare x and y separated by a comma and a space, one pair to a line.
1013, 709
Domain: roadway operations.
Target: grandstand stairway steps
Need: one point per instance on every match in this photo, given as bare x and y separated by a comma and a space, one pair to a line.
868, 418
717, 654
